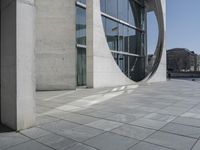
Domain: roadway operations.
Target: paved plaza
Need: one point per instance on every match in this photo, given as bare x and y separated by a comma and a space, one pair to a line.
160, 116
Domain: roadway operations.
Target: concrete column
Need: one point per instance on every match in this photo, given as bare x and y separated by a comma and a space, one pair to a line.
17, 63
55, 44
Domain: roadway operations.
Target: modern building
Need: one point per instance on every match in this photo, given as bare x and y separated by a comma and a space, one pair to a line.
181, 60
59, 45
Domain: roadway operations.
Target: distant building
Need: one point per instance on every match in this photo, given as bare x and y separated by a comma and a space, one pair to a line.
198, 62
182, 60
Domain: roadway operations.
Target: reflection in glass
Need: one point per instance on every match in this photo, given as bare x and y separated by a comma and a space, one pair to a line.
112, 34
128, 41
81, 26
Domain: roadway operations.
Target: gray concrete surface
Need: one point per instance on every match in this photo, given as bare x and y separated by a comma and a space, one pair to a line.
55, 44
17, 63
160, 116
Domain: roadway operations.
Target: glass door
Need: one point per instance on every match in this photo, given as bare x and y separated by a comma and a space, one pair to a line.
81, 66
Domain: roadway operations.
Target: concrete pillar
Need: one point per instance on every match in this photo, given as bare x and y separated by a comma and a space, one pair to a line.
55, 44
17, 63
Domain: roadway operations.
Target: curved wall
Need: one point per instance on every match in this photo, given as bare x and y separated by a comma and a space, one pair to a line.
159, 69
102, 71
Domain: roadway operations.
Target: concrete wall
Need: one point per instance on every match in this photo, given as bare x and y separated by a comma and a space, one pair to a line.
55, 44
102, 70
17, 63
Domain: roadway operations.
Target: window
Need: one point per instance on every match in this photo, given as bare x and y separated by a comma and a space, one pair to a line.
124, 25
81, 26
112, 34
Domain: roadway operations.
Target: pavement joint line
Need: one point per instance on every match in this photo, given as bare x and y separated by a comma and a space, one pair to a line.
69, 137
152, 144
176, 116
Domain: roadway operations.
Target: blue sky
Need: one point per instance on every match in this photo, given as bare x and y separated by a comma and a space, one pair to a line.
183, 25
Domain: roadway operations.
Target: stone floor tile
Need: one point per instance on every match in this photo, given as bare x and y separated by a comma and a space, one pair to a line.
57, 142
173, 111
160, 117
196, 146
31, 145
45, 119
133, 132
148, 123
80, 119
147, 146
34, 132
104, 125
124, 118
80, 146
59, 126
111, 141
171, 140
8, 139
184, 130
81, 133
187, 121
100, 114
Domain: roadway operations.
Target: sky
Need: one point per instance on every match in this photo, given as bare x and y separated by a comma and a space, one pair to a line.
183, 25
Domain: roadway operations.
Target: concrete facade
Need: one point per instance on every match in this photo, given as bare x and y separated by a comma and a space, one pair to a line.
38, 52
56, 47
55, 44
17, 63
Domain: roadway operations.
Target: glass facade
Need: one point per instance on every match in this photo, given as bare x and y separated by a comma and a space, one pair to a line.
80, 25
81, 42
124, 25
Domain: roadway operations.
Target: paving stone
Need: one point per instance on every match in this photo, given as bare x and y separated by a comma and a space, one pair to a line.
81, 133
45, 119
100, 114
124, 118
59, 126
173, 111
81, 119
188, 121
133, 132
9, 139
184, 130
56, 142
111, 141
160, 117
171, 140
148, 123
104, 125
31, 145
147, 146
80, 146
196, 146
34, 132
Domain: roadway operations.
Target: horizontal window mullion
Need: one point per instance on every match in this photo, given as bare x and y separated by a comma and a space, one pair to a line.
81, 5
121, 21
81, 46
125, 53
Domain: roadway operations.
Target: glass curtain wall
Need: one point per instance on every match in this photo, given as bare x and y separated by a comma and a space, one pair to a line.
124, 25
81, 41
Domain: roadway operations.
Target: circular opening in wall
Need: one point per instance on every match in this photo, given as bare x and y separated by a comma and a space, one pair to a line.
125, 24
